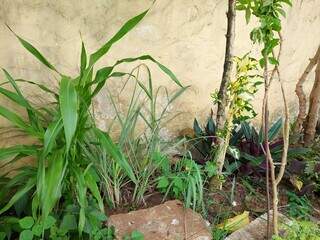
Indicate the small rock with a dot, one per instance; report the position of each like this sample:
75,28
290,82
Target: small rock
168,221
256,230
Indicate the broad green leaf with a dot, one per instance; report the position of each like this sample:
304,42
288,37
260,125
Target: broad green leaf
246,130
136,235
197,129
37,229
113,150
274,129
69,108
20,192
34,51
22,204
3,235
92,185
49,222
81,197
27,150
273,61
16,120
69,222
50,135
54,175
255,161
129,25
211,127
26,235
100,79
26,222
163,183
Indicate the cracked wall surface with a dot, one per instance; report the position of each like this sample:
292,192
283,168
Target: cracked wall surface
185,35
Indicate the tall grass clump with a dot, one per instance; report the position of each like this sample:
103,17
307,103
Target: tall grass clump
140,137
72,156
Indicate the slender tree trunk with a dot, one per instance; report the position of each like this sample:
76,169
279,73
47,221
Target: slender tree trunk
275,178
269,158
222,150
227,68
265,128
301,95
312,117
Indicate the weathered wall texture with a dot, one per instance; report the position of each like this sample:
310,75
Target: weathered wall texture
185,35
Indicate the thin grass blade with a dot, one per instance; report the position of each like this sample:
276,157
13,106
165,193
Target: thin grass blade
34,51
19,194
113,150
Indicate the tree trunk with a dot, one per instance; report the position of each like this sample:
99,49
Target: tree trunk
301,95
220,155
227,68
312,117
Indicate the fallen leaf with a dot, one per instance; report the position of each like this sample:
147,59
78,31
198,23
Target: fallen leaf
235,223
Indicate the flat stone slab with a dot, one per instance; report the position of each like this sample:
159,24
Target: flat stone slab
167,221
256,230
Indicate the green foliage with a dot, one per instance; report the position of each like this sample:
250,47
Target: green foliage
299,207
269,14
30,228
241,91
300,230
218,233
184,181
135,235
311,166
66,172
140,142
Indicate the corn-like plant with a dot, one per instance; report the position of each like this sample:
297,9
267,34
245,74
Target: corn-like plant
64,132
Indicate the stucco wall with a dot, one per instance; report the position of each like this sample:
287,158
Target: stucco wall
185,35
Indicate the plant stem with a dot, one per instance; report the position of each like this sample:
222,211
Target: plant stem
228,63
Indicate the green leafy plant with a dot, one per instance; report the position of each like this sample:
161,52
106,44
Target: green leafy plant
134,235
140,127
251,147
299,207
184,181
240,92
64,172
218,233
300,230
205,140
307,168
268,33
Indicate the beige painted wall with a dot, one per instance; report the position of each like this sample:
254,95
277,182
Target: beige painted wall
185,35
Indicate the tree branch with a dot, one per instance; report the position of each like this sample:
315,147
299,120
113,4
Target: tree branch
300,93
